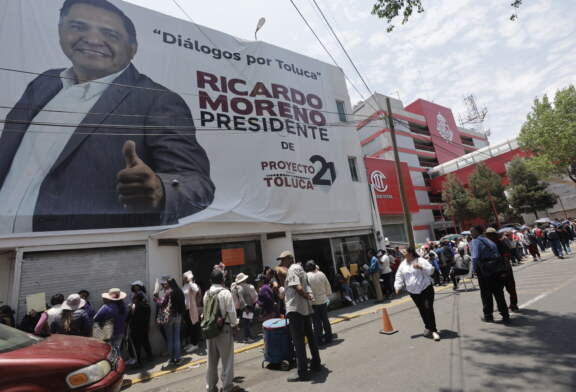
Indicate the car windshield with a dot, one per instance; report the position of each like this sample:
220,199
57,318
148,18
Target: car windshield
13,339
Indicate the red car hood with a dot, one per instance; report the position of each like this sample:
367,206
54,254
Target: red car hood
45,365
70,348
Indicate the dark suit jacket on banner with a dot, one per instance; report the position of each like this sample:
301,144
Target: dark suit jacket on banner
79,192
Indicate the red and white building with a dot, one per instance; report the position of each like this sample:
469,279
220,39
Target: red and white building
427,138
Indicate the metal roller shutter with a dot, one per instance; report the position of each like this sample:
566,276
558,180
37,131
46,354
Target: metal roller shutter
69,271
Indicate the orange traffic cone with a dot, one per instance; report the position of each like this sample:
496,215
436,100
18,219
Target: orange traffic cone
388,329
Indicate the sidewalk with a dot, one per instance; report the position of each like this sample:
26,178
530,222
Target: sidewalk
159,368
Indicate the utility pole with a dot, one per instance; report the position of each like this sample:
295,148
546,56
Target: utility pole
407,217
494,208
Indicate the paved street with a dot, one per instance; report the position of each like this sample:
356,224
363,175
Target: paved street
536,352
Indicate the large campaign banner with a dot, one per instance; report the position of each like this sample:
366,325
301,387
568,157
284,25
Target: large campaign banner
117,116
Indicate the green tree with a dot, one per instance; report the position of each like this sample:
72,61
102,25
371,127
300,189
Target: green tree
549,135
458,200
390,9
486,187
526,193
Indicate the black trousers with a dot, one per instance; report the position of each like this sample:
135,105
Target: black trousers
425,304
300,327
192,330
457,271
140,340
510,285
492,286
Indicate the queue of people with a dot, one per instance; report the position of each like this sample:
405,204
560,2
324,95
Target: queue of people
299,292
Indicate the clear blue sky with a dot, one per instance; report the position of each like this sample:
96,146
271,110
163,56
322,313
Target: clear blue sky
456,48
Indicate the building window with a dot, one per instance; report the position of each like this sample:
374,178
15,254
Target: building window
353,169
341,111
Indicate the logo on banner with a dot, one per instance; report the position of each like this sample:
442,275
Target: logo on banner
379,181
443,128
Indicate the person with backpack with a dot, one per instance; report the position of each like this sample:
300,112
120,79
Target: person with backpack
170,311
553,236
219,327
531,243
489,266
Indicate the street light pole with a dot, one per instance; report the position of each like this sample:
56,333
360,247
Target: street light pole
258,27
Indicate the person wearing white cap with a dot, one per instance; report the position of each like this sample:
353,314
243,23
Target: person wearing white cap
298,310
73,320
171,307
114,309
191,316
138,287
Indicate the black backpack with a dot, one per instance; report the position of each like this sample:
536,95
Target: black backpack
553,235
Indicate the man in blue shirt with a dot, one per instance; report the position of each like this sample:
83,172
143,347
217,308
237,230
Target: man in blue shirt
374,271
491,284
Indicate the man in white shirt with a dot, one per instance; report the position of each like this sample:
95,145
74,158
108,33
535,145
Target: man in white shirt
99,145
320,290
298,311
222,346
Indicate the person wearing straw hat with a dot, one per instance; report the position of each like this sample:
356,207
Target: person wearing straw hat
73,319
247,297
114,309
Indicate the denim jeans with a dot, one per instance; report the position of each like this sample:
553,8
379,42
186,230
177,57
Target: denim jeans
173,337
246,328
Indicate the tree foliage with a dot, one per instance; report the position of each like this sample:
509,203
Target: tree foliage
527,194
549,134
458,200
486,186
390,9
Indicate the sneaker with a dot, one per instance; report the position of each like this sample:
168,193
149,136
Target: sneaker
455,288
190,348
347,298
365,298
487,319
436,336
514,308
353,302
248,340
426,333
298,378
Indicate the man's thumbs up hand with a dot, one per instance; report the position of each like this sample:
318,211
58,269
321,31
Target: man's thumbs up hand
139,188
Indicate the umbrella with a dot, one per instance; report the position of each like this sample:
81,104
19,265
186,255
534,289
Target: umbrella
504,229
543,220
451,237
467,232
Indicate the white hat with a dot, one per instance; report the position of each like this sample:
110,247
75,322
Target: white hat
241,277
114,294
286,253
164,279
73,302
188,274
137,283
